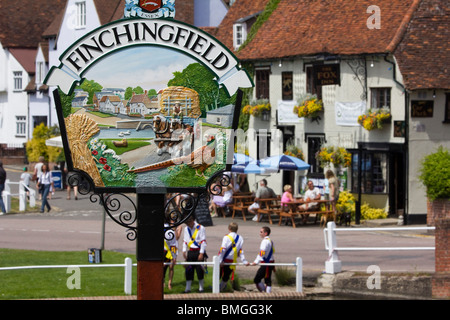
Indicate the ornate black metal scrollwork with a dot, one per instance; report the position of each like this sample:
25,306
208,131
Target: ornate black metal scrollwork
114,205
80,180
179,207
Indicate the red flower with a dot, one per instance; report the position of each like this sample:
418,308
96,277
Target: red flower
95,152
103,160
107,168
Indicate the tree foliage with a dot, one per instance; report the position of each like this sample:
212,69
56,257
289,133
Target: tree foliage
435,174
36,147
201,80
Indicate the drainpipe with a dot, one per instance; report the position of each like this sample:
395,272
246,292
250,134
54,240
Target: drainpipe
406,144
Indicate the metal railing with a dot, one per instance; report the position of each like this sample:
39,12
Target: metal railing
334,265
128,269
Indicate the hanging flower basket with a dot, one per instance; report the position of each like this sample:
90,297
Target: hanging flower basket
310,107
335,155
257,108
374,119
292,150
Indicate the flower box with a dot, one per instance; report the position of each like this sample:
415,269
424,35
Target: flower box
374,119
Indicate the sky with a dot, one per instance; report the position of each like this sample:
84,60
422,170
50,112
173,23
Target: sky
149,67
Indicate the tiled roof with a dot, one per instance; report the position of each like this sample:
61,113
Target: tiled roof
108,10
240,9
23,22
26,58
423,55
310,27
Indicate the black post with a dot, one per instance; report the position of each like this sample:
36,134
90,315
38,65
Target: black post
150,246
358,203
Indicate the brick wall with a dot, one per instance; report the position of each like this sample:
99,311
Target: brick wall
437,209
441,219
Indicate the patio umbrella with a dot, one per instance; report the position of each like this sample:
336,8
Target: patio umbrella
284,162
54,142
251,167
240,158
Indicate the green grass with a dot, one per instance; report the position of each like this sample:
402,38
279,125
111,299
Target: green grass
52,283
132,145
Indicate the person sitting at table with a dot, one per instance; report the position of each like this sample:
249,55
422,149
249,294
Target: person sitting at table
220,202
313,193
263,192
286,197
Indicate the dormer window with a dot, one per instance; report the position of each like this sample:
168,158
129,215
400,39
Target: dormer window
239,34
81,14
241,28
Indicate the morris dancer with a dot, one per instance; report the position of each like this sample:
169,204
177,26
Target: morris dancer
265,256
170,253
230,250
194,246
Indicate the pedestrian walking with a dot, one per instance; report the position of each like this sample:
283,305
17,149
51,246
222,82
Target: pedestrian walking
2,187
25,178
266,255
170,253
37,174
194,250
69,188
45,182
231,249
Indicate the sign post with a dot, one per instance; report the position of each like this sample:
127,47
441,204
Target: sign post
156,79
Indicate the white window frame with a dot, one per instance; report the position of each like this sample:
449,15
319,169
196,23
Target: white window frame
239,34
18,80
40,72
81,14
21,126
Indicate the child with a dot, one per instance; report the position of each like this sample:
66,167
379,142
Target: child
25,179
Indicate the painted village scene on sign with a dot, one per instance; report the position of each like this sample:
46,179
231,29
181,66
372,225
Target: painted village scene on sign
161,124
148,103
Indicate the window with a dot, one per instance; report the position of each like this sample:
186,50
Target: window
447,108
381,98
263,139
40,72
287,86
262,83
239,34
314,145
310,83
373,172
21,125
18,80
37,120
81,14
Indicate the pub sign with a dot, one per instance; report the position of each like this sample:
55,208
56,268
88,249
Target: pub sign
327,74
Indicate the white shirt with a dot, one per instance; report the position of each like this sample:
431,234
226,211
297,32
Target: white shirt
46,178
312,194
200,239
172,243
227,244
266,251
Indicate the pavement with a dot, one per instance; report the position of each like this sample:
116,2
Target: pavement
305,241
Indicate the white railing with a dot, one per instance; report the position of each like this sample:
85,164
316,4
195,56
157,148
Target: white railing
23,189
127,265
334,265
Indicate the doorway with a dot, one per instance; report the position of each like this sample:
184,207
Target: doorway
397,184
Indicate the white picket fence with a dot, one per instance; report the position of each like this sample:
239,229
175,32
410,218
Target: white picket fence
334,265
128,271
8,195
